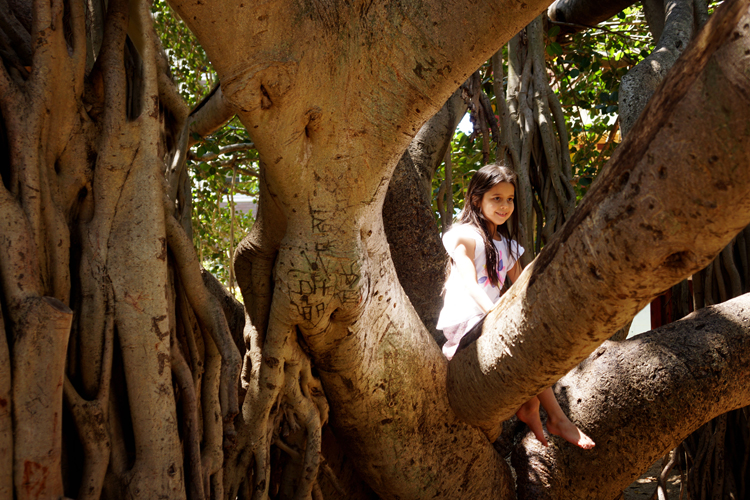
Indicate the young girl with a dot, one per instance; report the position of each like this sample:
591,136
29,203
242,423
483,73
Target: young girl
483,252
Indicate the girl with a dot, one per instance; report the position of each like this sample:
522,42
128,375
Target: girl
483,252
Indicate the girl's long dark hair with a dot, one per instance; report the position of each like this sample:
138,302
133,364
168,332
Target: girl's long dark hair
485,179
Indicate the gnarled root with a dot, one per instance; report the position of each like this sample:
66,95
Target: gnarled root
91,417
210,315
284,407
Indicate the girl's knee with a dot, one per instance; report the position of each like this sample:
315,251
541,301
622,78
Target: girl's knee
528,409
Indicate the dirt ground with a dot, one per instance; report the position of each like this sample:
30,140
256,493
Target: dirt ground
645,486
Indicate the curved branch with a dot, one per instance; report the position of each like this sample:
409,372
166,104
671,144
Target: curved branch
407,213
640,398
631,202
208,115
640,83
577,15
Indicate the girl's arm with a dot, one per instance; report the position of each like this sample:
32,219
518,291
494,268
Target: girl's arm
514,272
464,258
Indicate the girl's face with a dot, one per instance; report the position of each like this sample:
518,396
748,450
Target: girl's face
497,203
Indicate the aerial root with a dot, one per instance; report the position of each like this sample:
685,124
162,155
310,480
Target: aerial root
184,378
92,417
287,401
209,313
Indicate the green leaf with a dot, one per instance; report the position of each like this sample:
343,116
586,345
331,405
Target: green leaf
554,48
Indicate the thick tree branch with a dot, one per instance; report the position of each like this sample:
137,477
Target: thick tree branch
530,338
210,115
410,227
577,15
640,83
207,117
675,378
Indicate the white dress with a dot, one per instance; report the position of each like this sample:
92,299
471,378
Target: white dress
460,312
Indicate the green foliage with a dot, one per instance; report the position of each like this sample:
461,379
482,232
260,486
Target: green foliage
189,64
586,75
585,70
213,187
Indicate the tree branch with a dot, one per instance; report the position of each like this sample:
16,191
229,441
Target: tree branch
640,83
632,201
224,150
625,389
577,15
209,115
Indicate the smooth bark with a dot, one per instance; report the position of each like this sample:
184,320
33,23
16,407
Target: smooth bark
327,160
640,83
39,348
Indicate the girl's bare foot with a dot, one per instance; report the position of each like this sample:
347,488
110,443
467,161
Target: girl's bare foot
569,432
528,413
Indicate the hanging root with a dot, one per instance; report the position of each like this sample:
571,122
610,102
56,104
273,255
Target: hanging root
287,409
210,315
92,417
184,378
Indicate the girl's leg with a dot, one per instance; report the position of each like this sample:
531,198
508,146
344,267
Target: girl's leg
559,424
528,413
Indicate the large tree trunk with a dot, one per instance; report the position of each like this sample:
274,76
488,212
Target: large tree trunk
327,160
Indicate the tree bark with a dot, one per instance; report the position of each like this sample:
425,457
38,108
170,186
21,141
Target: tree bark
578,15
6,417
639,197
662,376
640,83
413,236
327,159
332,93
42,332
